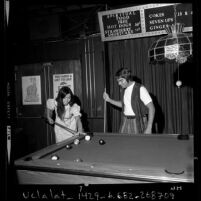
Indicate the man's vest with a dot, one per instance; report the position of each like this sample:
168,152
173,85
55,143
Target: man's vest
138,107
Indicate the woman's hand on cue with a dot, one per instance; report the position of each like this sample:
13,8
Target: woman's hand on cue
81,133
50,120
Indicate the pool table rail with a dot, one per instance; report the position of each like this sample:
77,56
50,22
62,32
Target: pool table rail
38,166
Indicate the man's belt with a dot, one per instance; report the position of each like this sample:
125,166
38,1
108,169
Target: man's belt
130,117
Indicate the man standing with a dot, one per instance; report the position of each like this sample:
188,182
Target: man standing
137,106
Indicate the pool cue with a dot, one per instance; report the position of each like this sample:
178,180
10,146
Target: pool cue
70,130
105,107
65,128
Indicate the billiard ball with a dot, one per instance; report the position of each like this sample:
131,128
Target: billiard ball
68,146
76,141
54,157
78,160
101,142
87,137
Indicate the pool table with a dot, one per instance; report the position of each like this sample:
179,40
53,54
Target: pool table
123,158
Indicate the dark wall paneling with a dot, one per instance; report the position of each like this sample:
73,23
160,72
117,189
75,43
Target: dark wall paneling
95,124
65,67
27,53
44,27
32,136
35,132
45,51
76,24
84,61
45,71
99,75
29,70
93,80
66,50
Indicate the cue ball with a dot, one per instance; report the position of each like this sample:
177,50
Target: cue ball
54,157
87,137
101,142
76,141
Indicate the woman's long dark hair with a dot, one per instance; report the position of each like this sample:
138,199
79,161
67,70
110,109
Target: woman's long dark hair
61,95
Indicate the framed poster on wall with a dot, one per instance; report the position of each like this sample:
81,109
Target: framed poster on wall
60,80
31,90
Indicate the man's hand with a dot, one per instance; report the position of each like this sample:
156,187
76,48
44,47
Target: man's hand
106,97
148,131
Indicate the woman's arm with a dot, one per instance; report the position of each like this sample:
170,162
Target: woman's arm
50,107
49,116
79,124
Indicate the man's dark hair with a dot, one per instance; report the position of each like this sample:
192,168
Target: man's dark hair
124,73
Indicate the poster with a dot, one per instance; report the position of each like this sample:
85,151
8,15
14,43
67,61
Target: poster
60,80
31,90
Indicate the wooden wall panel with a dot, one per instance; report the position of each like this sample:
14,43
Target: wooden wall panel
65,67
32,137
93,81
34,132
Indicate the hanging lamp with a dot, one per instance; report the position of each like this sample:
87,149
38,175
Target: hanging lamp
176,46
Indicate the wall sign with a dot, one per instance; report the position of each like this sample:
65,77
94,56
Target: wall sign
142,21
31,90
60,80
122,23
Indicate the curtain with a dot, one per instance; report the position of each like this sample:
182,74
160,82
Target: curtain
174,106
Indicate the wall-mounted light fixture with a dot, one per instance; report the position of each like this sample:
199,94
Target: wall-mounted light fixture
176,46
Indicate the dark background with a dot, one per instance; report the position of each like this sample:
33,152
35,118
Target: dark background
40,32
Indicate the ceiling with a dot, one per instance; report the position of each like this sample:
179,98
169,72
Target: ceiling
74,19
55,7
